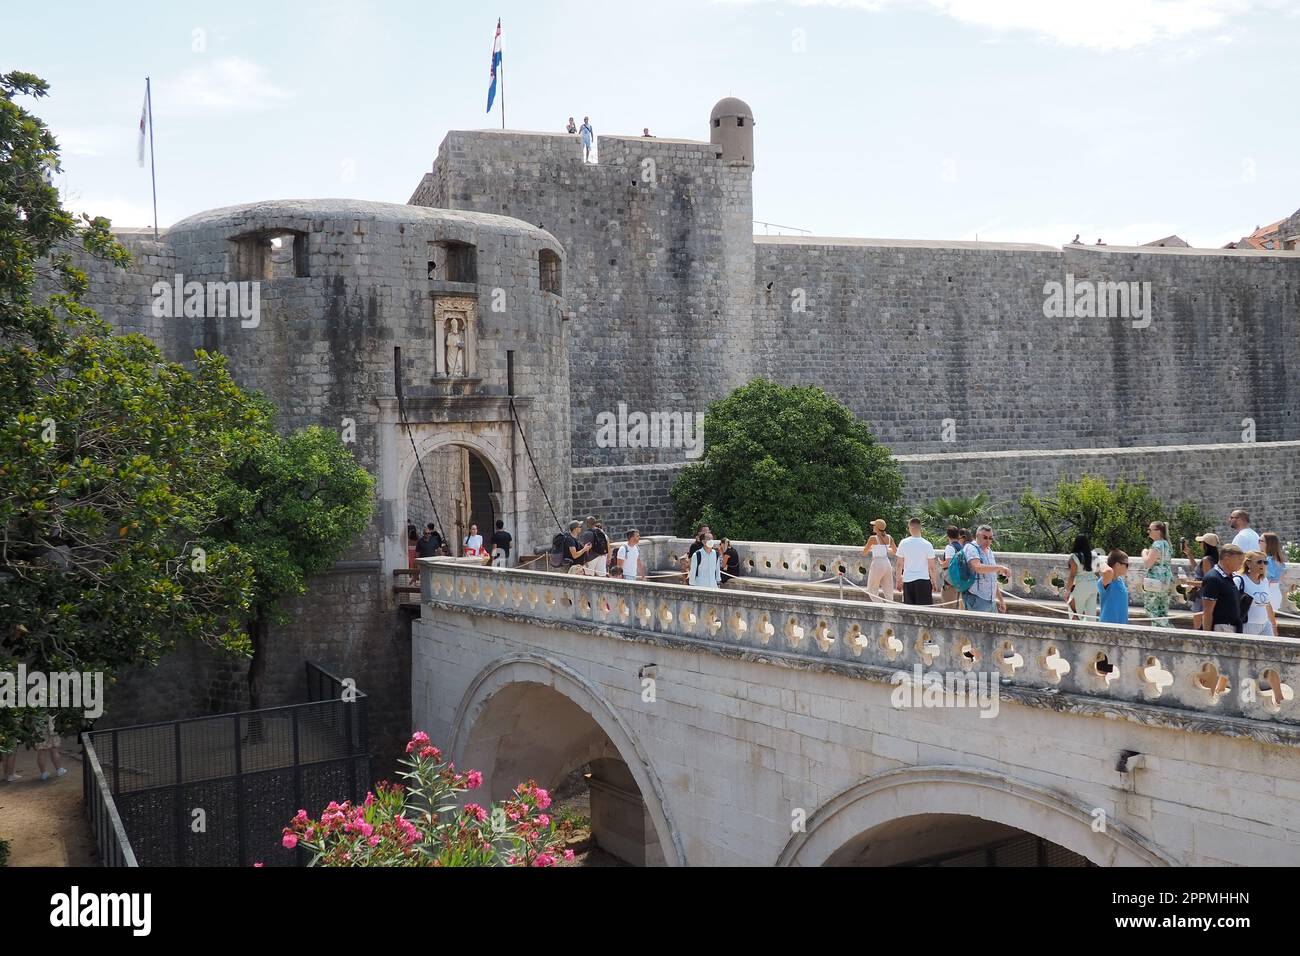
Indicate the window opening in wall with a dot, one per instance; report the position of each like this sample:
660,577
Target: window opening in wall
453,261
548,263
270,254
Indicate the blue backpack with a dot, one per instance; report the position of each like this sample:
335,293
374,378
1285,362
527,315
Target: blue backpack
960,576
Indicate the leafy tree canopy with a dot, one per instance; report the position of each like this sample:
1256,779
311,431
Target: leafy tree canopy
787,464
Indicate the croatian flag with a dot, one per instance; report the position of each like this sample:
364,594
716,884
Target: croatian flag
496,62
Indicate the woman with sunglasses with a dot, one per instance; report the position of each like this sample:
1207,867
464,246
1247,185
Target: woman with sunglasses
1260,620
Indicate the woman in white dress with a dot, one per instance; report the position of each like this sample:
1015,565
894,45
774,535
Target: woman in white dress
881,547
473,541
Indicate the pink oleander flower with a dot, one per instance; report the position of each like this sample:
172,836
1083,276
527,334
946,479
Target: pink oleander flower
568,854
543,798
290,841
474,780
475,811
374,840
258,864
544,859
300,816
543,820
512,859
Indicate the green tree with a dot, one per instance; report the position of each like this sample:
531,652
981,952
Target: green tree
109,456
1113,517
787,464
293,504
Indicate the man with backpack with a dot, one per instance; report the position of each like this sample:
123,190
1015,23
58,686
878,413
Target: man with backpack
974,572
597,543
567,553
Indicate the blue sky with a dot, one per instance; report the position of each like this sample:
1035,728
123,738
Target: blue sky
1024,120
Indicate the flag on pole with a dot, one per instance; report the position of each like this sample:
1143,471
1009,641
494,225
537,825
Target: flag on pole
496,62
144,113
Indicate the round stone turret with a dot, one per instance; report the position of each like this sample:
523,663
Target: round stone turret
731,126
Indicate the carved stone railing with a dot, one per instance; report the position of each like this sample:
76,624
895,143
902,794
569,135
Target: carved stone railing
1218,682
817,562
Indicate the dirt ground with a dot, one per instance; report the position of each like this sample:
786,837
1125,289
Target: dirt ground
44,822
573,798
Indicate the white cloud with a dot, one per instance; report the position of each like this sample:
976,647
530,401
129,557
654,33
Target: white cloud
1094,24
229,83
123,213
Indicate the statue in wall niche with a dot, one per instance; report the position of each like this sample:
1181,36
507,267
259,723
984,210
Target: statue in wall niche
455,347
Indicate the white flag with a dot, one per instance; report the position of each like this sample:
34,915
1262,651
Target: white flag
144,112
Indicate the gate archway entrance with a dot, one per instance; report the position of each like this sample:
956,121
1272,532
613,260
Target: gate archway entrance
466,492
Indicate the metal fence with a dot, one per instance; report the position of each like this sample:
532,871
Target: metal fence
218,791
110,837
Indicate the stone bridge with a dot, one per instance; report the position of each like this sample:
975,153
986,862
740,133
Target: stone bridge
744,727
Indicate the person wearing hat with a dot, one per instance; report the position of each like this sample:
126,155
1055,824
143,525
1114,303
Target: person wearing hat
881,547
1209,543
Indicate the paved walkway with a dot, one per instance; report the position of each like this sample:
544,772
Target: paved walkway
45,822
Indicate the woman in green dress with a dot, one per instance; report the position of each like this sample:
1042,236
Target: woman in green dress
1158,582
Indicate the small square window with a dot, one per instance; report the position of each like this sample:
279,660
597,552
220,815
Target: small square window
740,121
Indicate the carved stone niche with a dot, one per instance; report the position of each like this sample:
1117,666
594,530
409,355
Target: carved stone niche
455,336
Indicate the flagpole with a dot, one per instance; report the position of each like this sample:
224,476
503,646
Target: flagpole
153,177
502,71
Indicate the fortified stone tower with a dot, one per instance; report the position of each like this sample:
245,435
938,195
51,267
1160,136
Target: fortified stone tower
659,278
731,126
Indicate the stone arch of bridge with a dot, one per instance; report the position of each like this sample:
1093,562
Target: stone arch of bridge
528,716
847,821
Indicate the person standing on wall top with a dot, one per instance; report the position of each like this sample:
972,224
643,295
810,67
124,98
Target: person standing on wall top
916,570
1158,582
572,127
881,547
1247,538
501,542
588,136
1112,588
986,593
1221,594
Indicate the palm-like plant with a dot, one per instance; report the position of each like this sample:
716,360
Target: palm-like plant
964,512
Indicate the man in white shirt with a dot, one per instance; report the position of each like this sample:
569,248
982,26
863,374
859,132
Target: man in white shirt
916,566
629,557
1247,537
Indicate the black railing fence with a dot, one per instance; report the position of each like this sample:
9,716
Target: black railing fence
218,791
